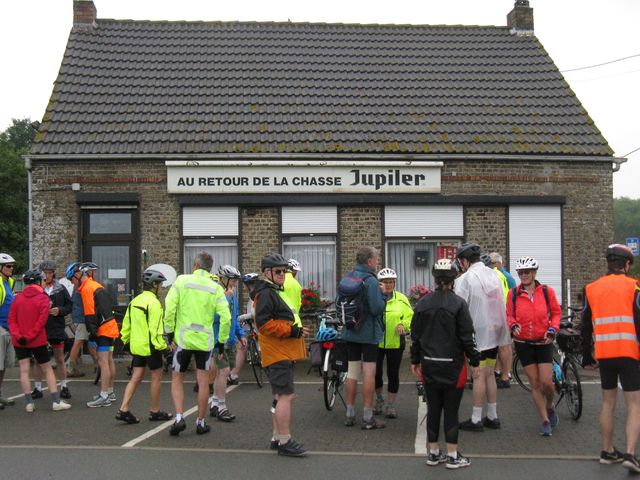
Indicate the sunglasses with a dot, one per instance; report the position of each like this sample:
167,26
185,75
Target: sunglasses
278,271
8,266
525,272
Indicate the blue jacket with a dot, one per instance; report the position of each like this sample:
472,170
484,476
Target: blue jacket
236,331
511,282
372,330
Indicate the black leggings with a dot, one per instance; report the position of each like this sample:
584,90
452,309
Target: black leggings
394,357
438,399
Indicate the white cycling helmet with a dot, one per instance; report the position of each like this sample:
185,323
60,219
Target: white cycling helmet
228,271
387,274
526,263
294,265
6,258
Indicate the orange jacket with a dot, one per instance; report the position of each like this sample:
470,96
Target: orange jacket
610,302
97,310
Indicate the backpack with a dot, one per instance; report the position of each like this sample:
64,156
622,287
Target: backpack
350,301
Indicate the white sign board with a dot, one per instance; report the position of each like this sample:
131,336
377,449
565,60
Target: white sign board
303,177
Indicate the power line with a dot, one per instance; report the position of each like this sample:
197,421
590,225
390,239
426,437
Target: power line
632,151
601,64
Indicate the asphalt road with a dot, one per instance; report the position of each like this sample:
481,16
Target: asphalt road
90,443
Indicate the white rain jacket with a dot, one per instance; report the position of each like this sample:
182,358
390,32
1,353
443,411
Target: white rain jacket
481,288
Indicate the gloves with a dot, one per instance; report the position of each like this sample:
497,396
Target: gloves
551,333
219,348
22,341
588,360
513,328
296,332
169,337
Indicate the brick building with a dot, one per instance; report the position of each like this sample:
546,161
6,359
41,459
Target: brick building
165,138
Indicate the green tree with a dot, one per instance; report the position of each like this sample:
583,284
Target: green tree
626,223
14,142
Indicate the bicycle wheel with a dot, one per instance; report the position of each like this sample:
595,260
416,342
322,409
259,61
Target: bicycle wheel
517,371
572,389
255,360
330,390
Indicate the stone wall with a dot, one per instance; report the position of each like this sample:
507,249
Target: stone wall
587,213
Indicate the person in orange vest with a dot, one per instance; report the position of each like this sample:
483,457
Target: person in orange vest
611,325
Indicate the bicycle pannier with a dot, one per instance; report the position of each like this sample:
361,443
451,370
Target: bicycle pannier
315,351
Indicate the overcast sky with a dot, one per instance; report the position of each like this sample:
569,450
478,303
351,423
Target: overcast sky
576,33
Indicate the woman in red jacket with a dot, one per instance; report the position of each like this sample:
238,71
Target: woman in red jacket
27,320
533,314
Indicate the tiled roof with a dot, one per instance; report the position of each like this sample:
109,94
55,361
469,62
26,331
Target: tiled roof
142,87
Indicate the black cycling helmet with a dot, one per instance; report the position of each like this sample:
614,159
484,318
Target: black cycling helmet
468,250
149,277
47,265
249,278
273,260
35,275
617,250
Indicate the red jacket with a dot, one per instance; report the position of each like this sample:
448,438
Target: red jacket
28,317
533,316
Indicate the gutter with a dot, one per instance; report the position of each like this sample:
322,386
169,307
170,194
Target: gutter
27,166
283,157
618,163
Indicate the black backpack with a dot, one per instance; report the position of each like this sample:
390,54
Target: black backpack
350,301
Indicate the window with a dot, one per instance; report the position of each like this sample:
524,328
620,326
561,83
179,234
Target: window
317,257
309,236
213,230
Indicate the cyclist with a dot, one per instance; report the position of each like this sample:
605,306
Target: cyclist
142,330
249,281
27,321
102,328
191,305
281,338
229,276
612,315
480,287
7,353
533,314
441,334
60,307
398,315
292,287
81,335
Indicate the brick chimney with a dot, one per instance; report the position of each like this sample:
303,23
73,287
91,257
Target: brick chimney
84,15
520,19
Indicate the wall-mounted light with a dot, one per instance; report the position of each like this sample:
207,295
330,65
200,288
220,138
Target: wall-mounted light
75,187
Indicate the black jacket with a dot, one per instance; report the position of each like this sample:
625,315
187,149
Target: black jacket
59,297
441,334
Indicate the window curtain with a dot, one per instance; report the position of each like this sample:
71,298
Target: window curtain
317,257
401,258
224,252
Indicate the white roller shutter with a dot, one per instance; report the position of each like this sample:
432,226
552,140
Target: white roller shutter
210,221
309,220
423,221
535,231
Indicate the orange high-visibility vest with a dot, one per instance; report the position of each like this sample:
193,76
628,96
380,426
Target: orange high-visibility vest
611,301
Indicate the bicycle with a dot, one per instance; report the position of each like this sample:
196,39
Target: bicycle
254,357
334,364
566,378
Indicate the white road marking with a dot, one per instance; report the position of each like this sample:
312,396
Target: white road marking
165,425
421,430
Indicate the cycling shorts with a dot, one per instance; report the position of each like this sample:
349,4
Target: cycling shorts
153,361
182,359
281,377
105,344
627,370
488,357
530,353
41,354
56,343
367,352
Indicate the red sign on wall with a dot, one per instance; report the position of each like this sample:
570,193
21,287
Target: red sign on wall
446,251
